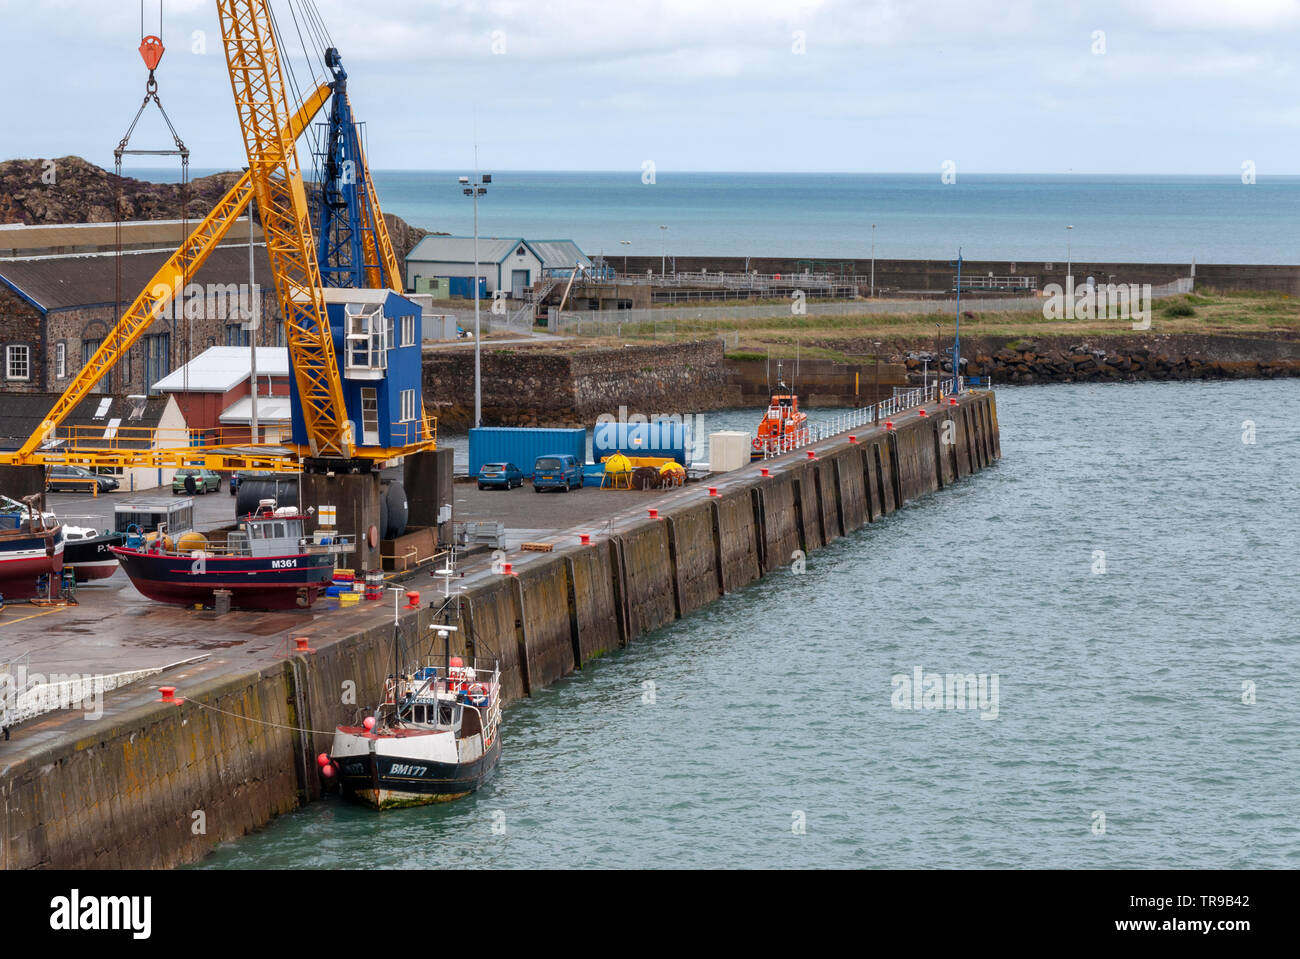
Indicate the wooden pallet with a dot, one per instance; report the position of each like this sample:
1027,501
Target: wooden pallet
537,547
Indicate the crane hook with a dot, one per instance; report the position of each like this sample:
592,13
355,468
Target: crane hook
151,51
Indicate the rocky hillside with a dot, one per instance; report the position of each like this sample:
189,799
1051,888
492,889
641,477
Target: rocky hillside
83,193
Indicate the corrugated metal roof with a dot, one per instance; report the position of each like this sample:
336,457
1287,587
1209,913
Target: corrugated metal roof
460,249
22,413
559,254
270,409
221,368
25,237
69,282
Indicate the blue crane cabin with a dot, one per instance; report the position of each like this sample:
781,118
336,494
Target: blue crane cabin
377,344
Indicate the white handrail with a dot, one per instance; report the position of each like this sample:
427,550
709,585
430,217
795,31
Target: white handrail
864,416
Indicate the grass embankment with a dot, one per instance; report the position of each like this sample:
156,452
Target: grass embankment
1205,313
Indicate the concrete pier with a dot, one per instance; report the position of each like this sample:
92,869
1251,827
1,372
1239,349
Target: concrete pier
154,784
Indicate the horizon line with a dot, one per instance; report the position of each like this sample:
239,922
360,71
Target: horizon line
636,172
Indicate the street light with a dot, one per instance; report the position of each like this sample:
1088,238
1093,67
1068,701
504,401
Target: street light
876,387
873,261
663,251
475,190
625,244
1069,264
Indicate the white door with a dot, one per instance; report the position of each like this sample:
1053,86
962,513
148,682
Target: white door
518,283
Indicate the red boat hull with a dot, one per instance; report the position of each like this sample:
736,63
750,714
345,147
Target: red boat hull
18,576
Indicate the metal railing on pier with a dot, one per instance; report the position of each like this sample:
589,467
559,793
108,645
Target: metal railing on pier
866,416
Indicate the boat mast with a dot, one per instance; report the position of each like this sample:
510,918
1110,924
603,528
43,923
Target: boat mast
397,653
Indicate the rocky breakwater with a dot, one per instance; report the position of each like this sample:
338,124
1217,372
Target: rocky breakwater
1120,359
73,190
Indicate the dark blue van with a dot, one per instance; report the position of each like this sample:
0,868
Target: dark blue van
557,471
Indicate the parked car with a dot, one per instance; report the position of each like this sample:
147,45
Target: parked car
557,471
505,475
75,479
205,481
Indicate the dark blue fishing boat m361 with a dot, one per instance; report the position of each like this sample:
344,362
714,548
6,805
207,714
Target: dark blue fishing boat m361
266,562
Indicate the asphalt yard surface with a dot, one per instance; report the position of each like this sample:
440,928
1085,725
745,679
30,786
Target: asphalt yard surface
113,628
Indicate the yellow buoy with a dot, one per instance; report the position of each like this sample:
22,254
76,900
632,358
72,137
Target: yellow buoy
190,542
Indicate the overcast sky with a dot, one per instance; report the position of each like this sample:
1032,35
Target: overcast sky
1169,86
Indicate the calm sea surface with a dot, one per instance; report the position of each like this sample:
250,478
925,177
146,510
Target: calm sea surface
1120,694
1171,219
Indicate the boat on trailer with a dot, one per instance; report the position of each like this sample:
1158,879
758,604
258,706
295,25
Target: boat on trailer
435,738
266,562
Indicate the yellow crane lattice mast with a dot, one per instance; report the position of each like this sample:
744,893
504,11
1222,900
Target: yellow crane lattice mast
257,81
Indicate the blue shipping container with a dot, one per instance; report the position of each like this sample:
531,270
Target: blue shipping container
522,446
662,438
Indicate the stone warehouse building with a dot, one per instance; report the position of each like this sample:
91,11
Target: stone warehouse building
60,296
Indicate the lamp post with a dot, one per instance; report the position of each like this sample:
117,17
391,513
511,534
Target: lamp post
625,244
876,386
873,261
253,427
663,250
475,190
1069,263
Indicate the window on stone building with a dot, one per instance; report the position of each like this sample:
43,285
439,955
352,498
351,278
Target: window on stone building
88,349
236,335
18,362
60,360
157,359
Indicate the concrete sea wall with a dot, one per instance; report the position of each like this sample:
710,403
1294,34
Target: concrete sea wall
160,784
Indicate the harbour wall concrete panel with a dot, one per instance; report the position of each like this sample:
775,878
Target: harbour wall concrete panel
693,543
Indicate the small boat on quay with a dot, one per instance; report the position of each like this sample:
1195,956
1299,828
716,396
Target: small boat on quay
31,550
783,427
85,551
265,562
89,552
435,738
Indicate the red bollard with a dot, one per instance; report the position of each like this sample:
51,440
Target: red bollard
952,402
654,514
853,439
922,412
889,425
412,599
812,454
301,643
585,539
508,569
169,695
764,472
713,491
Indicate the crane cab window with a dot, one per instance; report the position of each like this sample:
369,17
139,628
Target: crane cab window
367,340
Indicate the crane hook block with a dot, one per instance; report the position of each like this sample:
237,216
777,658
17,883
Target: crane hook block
151,51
